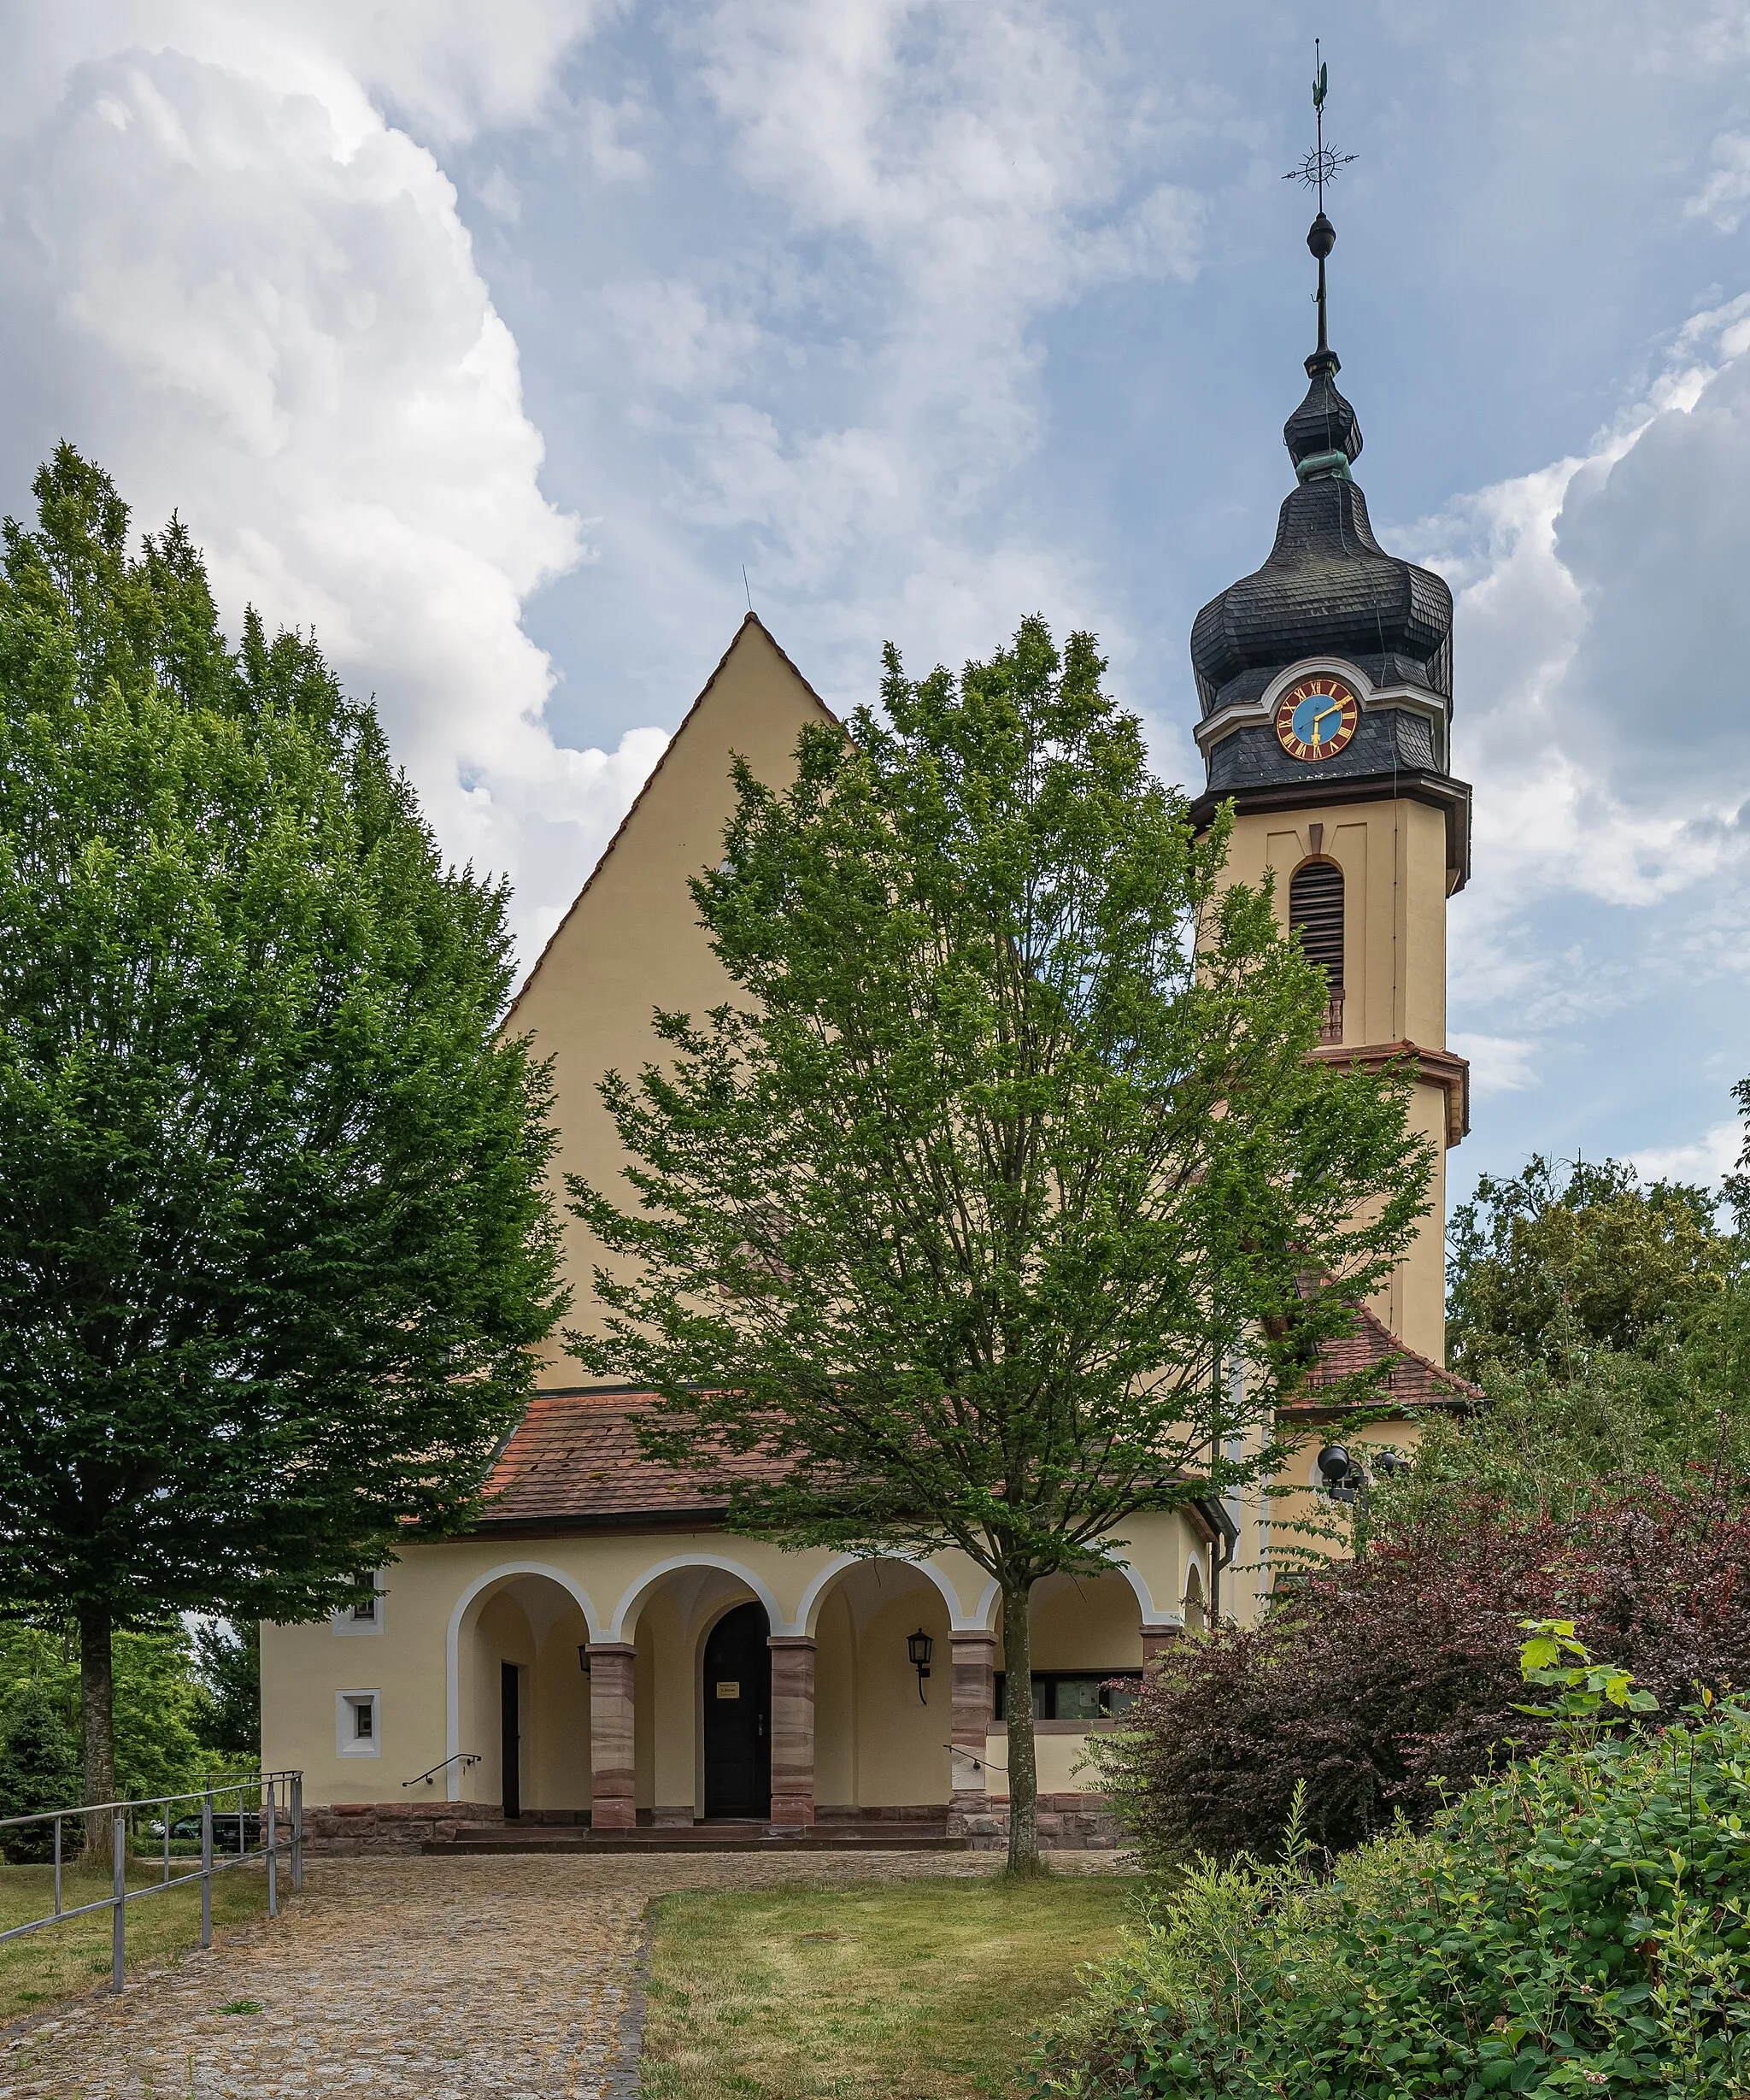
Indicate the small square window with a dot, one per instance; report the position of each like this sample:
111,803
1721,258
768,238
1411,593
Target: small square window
358,1724
364,1614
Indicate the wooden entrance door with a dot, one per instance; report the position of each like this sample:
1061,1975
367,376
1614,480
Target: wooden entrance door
738,1716
510,1738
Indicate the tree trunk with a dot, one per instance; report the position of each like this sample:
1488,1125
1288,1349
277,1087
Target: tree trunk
97,1688
1017,1711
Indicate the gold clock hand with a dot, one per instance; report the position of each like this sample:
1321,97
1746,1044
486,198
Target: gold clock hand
1336,707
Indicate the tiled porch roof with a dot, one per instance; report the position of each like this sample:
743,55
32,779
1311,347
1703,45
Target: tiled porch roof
575,1459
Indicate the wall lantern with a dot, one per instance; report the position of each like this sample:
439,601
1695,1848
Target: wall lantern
583,1657
1342,1477
919,1647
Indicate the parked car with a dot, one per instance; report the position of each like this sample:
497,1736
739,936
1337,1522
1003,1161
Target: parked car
227,1835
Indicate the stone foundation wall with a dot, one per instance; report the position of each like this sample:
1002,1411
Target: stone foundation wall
930,1812
347,1828
1067,1823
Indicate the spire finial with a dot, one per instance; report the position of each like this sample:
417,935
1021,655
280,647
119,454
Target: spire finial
1322,165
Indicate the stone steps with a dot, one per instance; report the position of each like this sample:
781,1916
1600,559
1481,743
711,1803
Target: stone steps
703,1837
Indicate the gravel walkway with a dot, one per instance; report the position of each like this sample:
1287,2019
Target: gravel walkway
446,1979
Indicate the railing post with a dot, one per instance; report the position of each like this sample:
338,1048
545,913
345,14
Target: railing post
164,1810
297,1831
268,1790
57,1866
206,1869
118,1934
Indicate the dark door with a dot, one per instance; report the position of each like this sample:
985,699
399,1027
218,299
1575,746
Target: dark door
510,1739
738,1716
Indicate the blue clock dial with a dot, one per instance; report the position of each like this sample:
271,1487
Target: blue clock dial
1316,717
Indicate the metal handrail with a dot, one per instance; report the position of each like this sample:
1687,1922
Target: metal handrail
465,1757
274,1787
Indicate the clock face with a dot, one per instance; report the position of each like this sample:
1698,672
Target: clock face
1316,717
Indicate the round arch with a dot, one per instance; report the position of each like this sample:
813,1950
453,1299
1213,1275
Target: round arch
978,1621
632,1602
504,1572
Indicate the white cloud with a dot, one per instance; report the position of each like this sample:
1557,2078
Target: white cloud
451,66
239,286
1599,611
1712,1155
1500,1064
862,368
1724,197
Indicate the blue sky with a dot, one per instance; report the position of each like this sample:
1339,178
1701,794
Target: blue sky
494,342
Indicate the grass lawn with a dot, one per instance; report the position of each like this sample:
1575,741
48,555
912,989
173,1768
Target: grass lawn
67,1960
921,1990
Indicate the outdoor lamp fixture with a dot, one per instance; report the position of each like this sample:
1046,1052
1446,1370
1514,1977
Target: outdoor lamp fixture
919,1647
583,1657
1342,1477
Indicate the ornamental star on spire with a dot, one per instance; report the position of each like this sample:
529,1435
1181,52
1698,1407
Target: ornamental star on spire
1322,165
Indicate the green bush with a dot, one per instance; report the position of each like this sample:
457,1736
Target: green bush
1582,1925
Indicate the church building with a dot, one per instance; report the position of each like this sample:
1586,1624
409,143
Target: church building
598,1662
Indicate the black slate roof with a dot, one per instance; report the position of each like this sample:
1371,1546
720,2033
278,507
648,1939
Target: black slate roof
1327,588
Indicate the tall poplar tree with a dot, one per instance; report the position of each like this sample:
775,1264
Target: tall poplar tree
273,1238
1009,1142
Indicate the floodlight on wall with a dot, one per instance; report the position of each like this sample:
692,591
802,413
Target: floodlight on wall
1343,1479
919,1647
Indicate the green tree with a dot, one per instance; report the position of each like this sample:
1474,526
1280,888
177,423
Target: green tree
40,1767
1544,1270
229,1659
273,1235
1010,1145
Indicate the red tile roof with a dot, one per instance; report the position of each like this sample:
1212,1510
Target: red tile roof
574,1458
1406,1378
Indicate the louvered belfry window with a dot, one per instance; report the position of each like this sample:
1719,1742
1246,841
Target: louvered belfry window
1316,907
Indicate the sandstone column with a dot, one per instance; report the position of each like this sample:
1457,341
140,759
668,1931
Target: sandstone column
973,1659
613,1789
792,1731
1157,1639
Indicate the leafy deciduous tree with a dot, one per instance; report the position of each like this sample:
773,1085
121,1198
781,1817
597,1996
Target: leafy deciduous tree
1012,1141
1542,1270
274,1237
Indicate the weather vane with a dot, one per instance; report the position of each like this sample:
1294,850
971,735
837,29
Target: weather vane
1322,165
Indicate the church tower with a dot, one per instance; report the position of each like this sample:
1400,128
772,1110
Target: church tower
1324,680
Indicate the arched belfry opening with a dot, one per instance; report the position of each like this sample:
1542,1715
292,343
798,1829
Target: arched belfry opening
1316,911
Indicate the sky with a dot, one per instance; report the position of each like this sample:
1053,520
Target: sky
498,344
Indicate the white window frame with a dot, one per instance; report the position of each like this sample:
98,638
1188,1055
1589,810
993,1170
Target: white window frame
347,1743
343,1622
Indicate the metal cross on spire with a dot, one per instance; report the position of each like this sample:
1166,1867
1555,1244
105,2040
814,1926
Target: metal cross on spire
1322,165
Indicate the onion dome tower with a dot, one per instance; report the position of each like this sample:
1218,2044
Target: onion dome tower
1324,680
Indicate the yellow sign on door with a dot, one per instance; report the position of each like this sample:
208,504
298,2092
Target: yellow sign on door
729,1688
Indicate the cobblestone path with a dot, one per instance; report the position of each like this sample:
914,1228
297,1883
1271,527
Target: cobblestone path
444,1979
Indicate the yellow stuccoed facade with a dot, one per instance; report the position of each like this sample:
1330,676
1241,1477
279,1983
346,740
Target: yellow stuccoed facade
1393,855
558,1662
